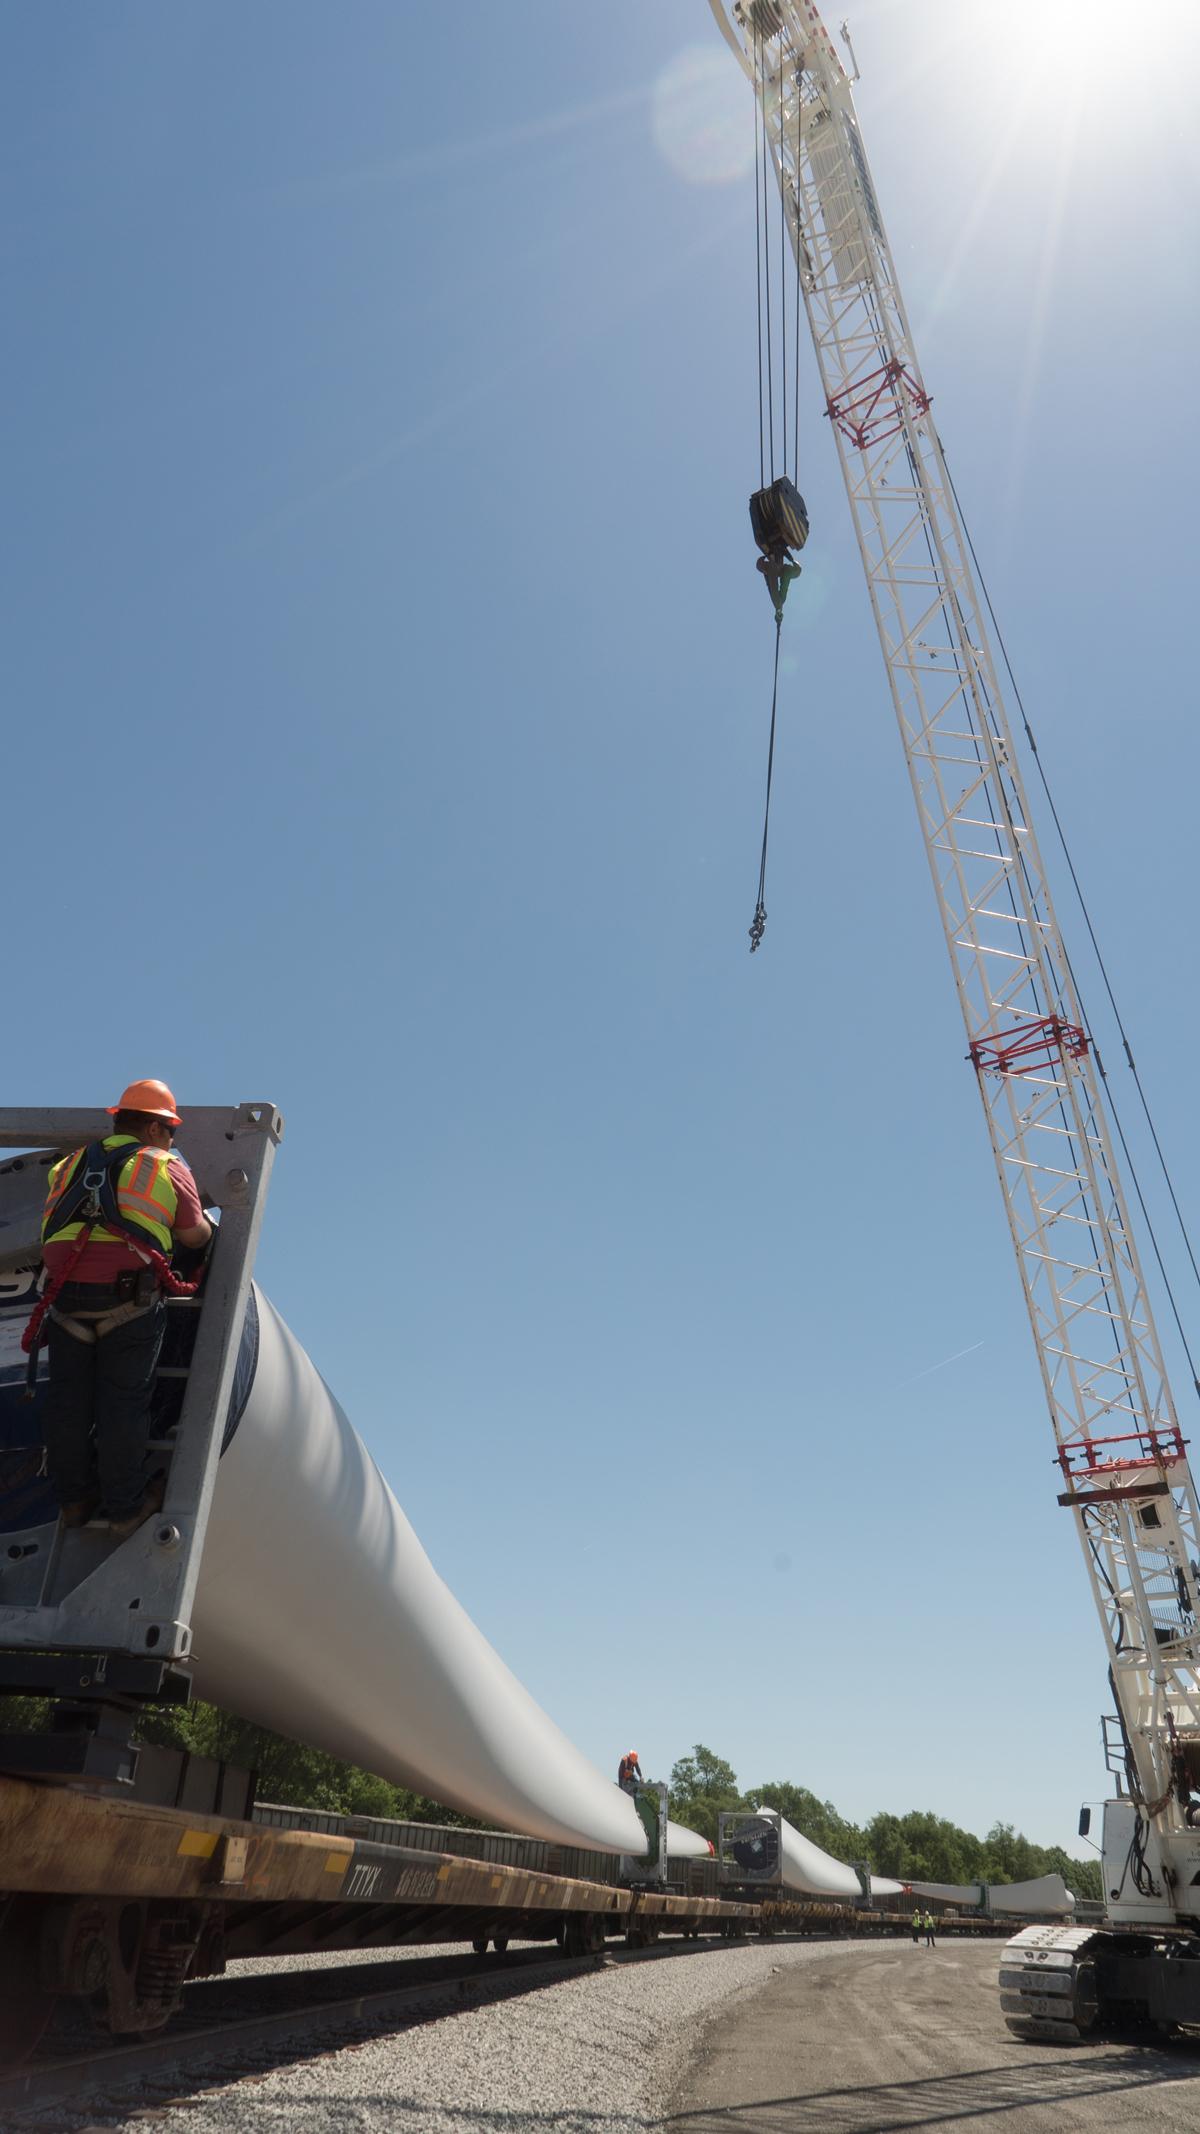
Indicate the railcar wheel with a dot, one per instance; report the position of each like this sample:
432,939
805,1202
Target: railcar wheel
583,1934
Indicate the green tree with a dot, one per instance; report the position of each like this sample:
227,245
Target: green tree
1084,1877
1008,1856
921,1847
925,1848
288,1771
703,1786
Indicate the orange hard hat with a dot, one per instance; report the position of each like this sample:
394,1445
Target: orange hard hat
153,1098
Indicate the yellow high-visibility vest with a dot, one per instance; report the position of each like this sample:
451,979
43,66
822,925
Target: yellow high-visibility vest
145,1196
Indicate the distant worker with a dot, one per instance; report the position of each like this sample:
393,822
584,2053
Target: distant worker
929,1924
629,1773
916,1925
114,1211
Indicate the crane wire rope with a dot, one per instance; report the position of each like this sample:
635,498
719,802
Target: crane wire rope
1103,969
758,247
999,807
758,925
766,241
1093,1214
1092,1121
763,249
799,154
1075,882
783,362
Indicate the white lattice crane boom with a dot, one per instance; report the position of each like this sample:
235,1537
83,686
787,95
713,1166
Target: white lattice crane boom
1125,1475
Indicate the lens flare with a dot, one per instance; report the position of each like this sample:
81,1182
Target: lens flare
704,117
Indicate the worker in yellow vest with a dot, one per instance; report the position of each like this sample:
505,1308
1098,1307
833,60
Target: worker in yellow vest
114,1211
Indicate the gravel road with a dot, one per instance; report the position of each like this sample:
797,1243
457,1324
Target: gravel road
598,2054
766,2038
902,2037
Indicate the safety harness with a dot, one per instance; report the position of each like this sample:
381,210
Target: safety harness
92,1196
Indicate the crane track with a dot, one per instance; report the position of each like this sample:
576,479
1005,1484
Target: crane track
218,2053
1047,1985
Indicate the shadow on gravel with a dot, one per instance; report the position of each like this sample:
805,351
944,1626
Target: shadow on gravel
878,2108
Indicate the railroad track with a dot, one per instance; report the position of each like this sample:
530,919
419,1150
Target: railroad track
217,2041
209,2047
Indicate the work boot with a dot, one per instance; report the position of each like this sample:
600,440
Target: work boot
121,1529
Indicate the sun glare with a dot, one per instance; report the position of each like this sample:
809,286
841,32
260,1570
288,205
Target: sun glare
1095,38
703,117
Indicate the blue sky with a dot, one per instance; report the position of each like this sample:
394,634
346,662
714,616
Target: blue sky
389,679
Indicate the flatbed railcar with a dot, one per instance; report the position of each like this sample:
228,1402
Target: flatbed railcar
119,1902
781,1911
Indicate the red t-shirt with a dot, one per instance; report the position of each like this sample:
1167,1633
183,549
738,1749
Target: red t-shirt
104,1261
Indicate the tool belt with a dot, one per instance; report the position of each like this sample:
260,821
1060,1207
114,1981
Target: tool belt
90,1310
93,1326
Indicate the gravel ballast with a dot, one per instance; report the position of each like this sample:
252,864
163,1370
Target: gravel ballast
597,2054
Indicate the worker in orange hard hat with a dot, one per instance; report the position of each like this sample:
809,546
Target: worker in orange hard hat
629,1772
114,1212
150,1100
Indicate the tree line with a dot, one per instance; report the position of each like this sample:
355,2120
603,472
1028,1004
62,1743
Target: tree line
288,1772
919,1846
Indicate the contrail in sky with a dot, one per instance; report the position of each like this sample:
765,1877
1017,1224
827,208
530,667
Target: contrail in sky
956,1358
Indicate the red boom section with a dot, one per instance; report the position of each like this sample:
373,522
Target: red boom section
869,410
1035,1044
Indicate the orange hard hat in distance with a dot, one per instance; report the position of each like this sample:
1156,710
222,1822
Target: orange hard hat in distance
153,1098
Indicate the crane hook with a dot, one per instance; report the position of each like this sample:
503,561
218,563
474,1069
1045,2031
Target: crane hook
778,572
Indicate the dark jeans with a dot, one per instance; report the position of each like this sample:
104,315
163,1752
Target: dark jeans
97,1415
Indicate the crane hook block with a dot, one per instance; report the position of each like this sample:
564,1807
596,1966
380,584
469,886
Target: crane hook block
780,522
779,517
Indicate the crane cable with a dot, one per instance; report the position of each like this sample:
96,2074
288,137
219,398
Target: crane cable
1103,969
957,631
759,922
1092,1220
776,540
758,252
763,214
